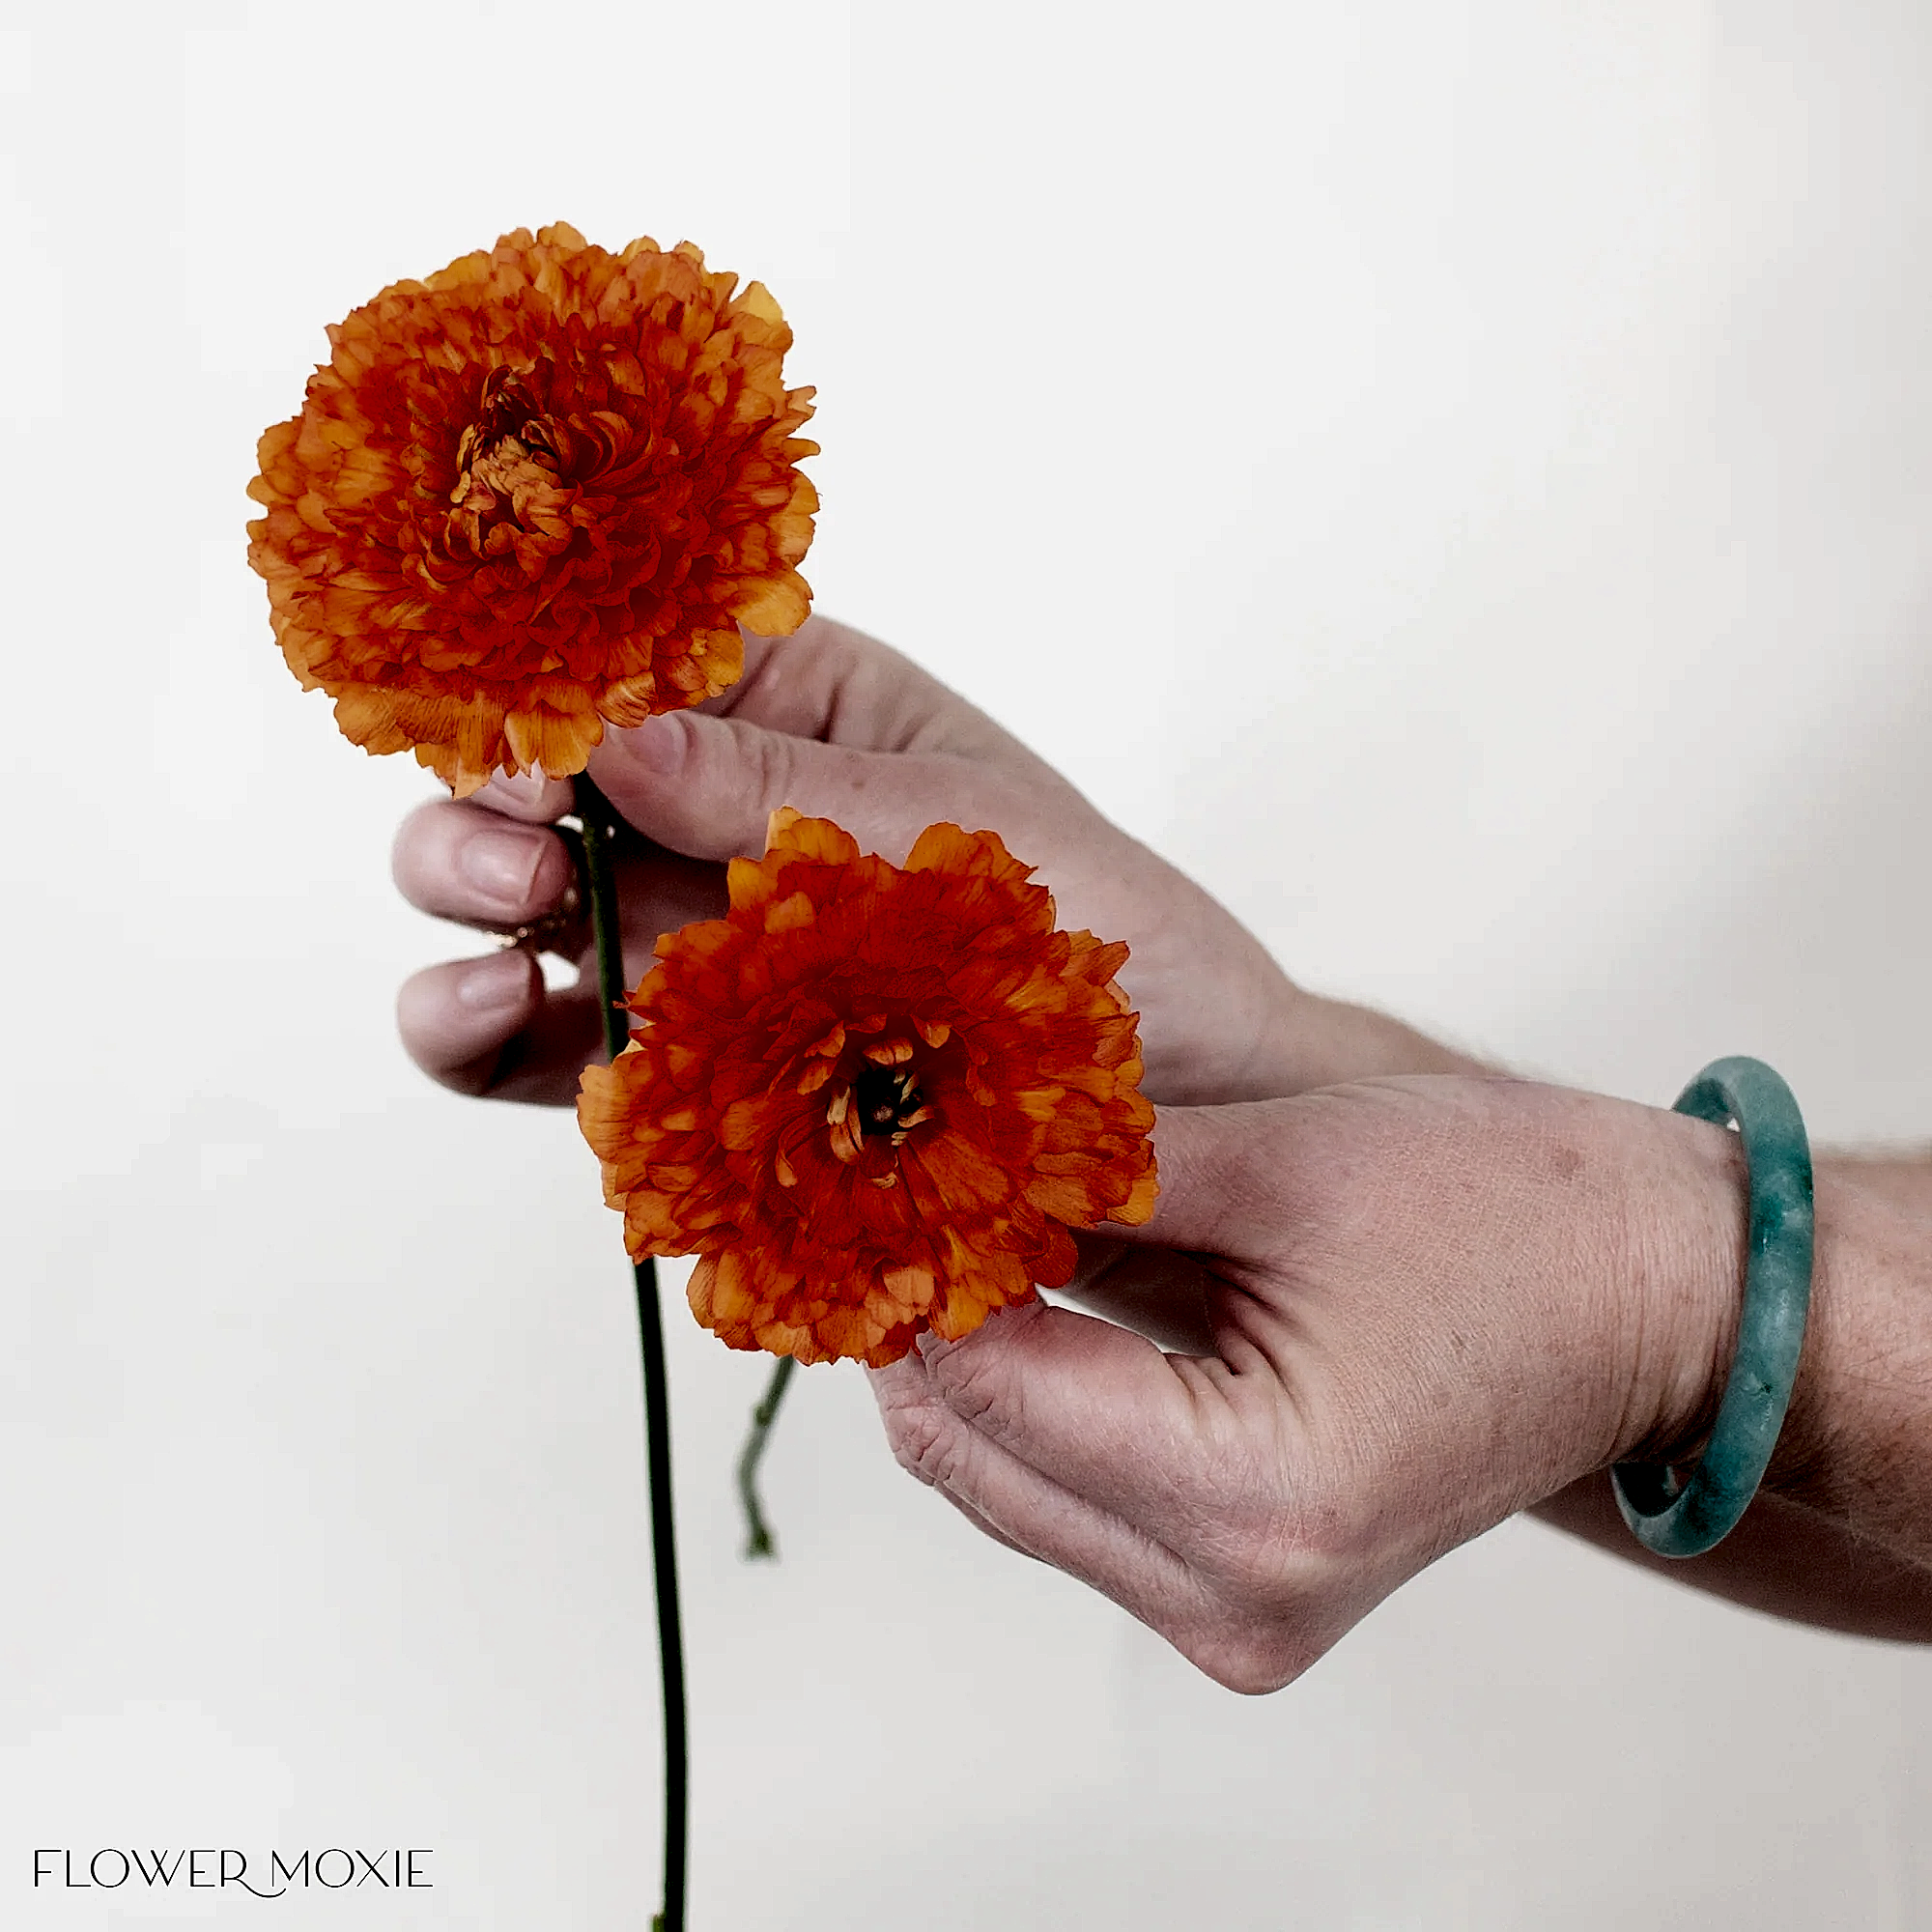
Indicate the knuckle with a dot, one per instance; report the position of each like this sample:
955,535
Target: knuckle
774,767
1266,1596
1270,1561
968,1391
923,1435
805,678
925,1444
1249,1659
977,1379
835,656
1271,1554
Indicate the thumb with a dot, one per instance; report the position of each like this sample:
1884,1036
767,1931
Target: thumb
704,786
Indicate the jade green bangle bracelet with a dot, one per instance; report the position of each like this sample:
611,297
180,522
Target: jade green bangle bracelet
1685,1518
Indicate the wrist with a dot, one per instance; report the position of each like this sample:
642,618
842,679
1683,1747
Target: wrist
1685,1213
1856,1439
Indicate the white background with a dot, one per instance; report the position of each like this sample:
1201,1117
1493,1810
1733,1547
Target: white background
1457,479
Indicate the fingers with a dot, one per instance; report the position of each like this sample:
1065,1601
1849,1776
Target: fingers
823,722
1168,1482
705,786
474,863
1076,1400
1008,1443
455,1019
463,862
979,1521
528,796
818,722
1019,1506
487,1026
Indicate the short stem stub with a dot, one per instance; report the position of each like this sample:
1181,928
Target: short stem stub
758,1533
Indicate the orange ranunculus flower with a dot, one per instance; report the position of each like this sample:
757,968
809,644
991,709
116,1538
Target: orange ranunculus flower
533,494
873,1099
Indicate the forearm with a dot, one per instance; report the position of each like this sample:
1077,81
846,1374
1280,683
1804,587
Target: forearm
1783,1559
1904,1179
1856,1447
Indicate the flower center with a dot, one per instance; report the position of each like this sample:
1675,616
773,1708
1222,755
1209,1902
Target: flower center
508,464
885,1098
877,1105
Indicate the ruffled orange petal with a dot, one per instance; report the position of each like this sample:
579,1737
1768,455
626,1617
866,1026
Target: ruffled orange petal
872,1099
532,495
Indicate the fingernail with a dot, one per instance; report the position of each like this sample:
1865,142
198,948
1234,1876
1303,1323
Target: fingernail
501,866
496,983
658,744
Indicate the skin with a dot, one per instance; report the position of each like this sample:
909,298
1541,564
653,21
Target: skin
1409,1296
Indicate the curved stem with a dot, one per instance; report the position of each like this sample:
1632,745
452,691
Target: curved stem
758,1533
600,830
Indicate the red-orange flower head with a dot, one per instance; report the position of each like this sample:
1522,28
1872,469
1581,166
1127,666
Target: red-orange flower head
872,1100
532,495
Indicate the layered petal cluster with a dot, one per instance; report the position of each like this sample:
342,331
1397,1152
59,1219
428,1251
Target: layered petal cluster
534,495
872,1099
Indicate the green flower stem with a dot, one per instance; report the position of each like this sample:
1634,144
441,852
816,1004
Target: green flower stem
600,832
758,1533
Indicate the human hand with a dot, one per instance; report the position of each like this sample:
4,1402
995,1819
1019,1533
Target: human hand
1413,1307
839,726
